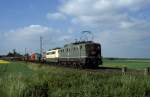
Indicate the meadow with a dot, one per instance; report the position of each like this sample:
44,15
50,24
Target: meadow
137,64
20,79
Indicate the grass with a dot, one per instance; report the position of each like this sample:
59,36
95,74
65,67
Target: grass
131,64
35,80
15,68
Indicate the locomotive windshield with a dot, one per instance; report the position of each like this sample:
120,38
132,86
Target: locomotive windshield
94,50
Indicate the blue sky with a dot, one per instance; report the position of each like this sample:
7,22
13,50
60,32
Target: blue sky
121,26
17,13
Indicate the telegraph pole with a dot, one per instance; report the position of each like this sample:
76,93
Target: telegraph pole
26,56
25,51
41,46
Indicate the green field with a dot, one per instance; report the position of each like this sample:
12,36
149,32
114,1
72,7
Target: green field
131,64
19,79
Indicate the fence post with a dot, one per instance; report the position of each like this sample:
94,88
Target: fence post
124,70
146,70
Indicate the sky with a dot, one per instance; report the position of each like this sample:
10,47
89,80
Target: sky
122,27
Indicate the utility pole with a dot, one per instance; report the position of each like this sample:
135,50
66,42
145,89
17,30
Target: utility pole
26,56
41,46
25,51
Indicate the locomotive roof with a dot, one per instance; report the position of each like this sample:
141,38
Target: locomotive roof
83,42
79,42
54,48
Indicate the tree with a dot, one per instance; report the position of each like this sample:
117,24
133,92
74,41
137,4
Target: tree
13,54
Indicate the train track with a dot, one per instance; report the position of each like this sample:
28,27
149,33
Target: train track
105,70
101,69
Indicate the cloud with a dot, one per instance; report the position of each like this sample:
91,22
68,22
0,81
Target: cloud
121,26
27,33
29,37
56,16
102,12
25,37
118,24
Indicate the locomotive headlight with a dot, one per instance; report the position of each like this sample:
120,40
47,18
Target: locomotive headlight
93,52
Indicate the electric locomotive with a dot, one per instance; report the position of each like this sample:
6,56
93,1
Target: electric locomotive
52,56
84,54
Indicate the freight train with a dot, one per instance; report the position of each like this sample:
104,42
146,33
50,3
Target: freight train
84,54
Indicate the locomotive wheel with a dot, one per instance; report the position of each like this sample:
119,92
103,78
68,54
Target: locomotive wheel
80,65
75,65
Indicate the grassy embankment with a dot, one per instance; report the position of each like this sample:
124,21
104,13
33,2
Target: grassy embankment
33,80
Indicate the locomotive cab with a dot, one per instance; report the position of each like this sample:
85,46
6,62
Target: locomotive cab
52,56
93,54
93,50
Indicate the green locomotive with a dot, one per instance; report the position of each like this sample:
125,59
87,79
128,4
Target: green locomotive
85,54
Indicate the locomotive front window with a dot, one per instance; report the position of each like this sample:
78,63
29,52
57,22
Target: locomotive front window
50,53
93,50
53,53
